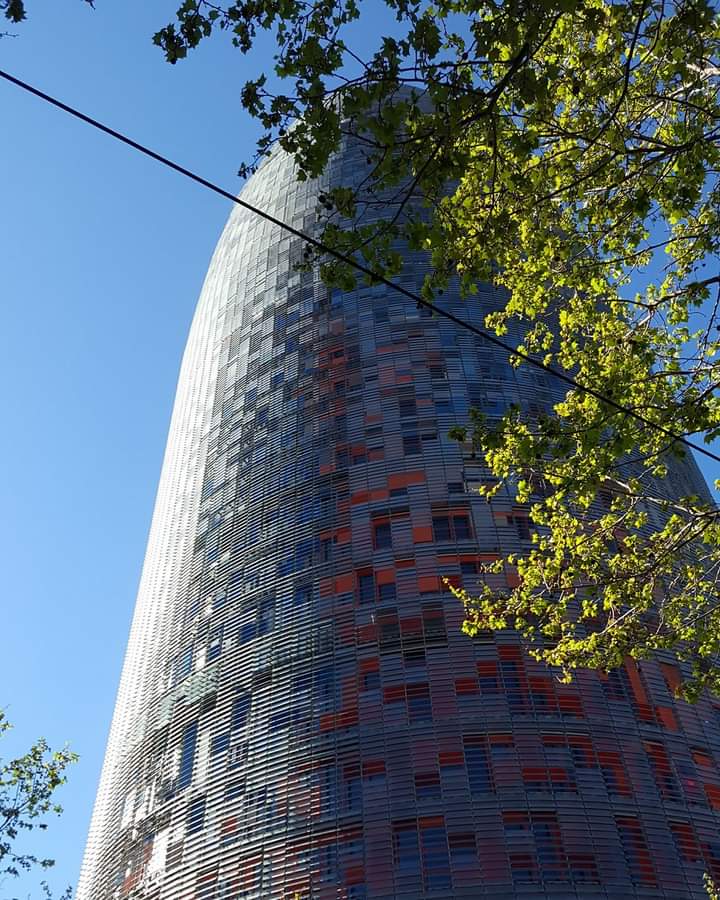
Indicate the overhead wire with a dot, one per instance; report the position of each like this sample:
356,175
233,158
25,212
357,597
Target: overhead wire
354,263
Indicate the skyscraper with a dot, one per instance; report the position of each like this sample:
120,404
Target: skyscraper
299,714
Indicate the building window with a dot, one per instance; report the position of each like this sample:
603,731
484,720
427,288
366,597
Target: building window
215,643
463,848
187,755
614,774
418,701
662,771
353,787
196,815
240,711
433,621
411,444
427,786
382,535
435,856
477,764
366,588
406,852
636,852
686,842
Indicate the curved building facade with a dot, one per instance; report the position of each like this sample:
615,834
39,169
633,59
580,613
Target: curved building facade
299,714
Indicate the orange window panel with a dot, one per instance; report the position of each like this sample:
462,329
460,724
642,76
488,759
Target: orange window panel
428,584
345,583
672,676
713,795
667,717
405,479
464,686
385,576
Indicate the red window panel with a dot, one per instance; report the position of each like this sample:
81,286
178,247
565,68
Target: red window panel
354,876
637,854
465,686
570,704
429,584
614,774
523,868
642,704
369,675
394,694
542,694
385,576
711,855
373,769
405,479
433,617
703,758
672,676
516,821
512,579
411,629
583,868
345,583
422,534
488,677
552,779
535,778
582,751
389,629
367,634
427,785
686,841
463,848
451,760
713,795
662,770
551,858
666,717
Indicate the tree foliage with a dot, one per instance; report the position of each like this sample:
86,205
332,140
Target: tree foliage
580,142
566,150
27,787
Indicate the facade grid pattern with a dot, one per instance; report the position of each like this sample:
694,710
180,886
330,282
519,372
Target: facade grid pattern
299,713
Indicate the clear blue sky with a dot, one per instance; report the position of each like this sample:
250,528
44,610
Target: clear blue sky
102,258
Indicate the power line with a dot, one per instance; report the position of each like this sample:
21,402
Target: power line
349,260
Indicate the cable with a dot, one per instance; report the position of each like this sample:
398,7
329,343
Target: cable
480,332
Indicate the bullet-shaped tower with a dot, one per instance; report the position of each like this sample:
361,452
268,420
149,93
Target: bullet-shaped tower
299,714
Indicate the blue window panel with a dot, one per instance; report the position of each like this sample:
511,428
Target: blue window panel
196,815
187,755
220,743
240,712
215,643
478,766
248,632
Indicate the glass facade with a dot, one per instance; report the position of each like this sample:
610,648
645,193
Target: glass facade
299,714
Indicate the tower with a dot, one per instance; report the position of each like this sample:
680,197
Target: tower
299,714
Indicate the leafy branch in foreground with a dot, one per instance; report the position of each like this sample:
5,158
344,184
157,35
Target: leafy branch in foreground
580,141
27,787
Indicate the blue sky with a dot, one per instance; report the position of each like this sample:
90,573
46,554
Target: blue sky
102,257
